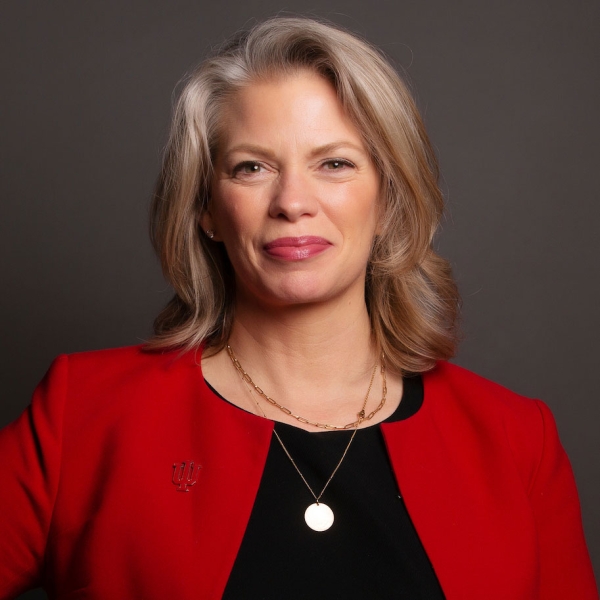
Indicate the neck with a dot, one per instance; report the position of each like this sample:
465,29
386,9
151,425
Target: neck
315,360
310,339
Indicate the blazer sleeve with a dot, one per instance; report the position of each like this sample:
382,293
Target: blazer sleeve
565,566
30,456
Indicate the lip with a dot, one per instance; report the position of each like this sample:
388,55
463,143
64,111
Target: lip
296,248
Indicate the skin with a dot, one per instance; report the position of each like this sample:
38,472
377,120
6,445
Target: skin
291,164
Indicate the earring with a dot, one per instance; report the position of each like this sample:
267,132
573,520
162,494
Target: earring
210,233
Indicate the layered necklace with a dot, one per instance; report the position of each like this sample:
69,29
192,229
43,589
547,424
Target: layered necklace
318,516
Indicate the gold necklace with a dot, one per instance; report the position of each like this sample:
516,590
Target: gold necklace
361,415
318,516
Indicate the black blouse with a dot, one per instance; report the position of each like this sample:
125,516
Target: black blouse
372,549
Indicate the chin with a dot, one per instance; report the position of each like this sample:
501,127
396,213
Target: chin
300,297
285,293
311,295
305,289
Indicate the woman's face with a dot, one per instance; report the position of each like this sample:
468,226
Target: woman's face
295,194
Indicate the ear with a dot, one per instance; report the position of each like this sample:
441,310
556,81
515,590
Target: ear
379,225
205,220
206,223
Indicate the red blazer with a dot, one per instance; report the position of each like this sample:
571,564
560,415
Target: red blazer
92,506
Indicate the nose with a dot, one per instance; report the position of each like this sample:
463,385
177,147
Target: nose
294,197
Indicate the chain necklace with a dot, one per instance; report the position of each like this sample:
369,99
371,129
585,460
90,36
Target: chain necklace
318,516
361,415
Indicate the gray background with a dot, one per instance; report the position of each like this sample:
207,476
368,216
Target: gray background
510,93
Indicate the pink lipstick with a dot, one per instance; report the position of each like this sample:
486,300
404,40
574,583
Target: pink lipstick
296,248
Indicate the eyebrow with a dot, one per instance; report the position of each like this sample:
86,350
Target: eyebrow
250,149
333,146
318,151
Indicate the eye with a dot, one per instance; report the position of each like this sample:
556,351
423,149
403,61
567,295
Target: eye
337,164
247,169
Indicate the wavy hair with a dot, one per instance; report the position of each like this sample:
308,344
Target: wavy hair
410,294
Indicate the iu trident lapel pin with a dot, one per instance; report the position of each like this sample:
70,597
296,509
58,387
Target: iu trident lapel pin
185,475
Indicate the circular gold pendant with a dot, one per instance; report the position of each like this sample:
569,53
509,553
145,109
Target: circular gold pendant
319,516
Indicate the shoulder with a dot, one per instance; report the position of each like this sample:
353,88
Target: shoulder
487,415
449,383
127,358
124,380
125,364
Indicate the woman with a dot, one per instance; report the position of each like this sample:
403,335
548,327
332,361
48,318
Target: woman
292,430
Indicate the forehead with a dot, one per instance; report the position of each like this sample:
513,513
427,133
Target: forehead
302,106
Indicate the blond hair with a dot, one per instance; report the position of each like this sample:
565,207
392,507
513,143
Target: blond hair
410,294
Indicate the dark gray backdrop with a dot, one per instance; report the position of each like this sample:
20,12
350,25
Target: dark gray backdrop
510,93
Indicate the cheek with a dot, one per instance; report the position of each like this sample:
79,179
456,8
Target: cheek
373,208
235,222
236,206
365,213
226,211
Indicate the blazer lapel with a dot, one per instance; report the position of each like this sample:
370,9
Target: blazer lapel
465,497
